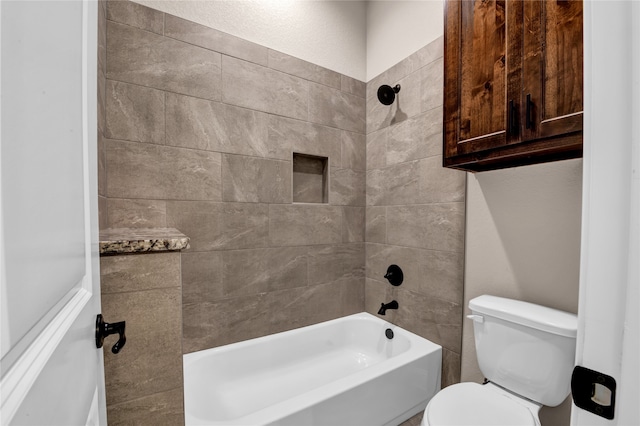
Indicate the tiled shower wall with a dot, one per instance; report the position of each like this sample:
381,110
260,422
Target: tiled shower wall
415,207
199,130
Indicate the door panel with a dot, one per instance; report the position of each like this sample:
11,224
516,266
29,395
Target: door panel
51,370
45,167
553,68
483,75
483,68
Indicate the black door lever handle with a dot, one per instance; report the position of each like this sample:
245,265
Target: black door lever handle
104,329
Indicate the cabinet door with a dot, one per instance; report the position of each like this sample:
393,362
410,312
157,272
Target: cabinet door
483,76
553,69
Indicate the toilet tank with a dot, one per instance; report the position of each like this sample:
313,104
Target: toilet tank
525,348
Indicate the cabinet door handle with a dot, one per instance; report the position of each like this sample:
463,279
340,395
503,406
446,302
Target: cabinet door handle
513,118
529,120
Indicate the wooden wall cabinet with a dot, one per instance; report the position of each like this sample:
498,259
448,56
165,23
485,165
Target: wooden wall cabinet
513,83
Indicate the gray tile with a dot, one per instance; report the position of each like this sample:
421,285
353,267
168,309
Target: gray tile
408,99
334,108
352,293
102,166
434,319
340,262
353,224
418,137
141,57
136,15
244,84
161,409
443,275
353,86
354,146
195,123
201,276
256,180
347,187
245,225
102,101
211,324
401,183
137,170
151,361
390,77
200,220
247,133
431,226
212,39
299,225
429,272
450,368
428,54
407,103
253,86
375,189
287,135
376,224
102,38
310,179
376,293
134,113
132,213
313,304
102,212
139,272
309,188
303,69
377,149
287,268
439,184
245,272
213,126
217,226
254,271
381,116
432,85
380,256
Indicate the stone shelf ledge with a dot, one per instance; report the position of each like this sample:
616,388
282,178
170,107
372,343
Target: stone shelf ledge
141,240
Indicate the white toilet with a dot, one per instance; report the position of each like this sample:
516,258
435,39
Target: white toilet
525,351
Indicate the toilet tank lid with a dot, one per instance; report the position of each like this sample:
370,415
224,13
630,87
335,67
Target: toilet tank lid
527,314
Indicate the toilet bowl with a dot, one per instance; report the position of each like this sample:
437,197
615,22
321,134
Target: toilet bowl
479,405
525,351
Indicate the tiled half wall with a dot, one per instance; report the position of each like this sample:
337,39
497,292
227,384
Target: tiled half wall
197,130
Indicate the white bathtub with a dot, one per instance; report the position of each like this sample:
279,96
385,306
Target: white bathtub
343,372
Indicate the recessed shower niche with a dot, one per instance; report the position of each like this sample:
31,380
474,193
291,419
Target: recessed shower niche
310,179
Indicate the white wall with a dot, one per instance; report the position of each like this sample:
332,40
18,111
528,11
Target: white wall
523,242
396,29
331,34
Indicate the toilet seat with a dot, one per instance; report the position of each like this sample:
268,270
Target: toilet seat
475,404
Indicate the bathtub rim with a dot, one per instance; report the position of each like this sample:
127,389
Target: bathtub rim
419,347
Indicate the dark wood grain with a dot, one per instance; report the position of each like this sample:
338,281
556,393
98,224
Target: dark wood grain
482,68
500,51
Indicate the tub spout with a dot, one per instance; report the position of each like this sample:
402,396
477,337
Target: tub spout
391,305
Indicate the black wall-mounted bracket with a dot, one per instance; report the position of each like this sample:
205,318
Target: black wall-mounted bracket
104,329
594,392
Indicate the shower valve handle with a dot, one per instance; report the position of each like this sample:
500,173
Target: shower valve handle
104,329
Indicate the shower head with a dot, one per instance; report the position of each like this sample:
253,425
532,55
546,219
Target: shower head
387,94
